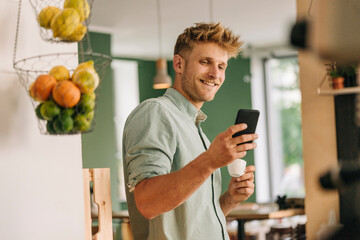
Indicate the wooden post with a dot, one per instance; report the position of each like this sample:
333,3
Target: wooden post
102,197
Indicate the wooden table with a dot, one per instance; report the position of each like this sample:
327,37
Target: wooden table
240,214
261,213
122,215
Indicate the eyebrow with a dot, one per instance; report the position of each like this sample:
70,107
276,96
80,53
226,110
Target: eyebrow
211,59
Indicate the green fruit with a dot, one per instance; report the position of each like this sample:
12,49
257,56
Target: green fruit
57,126
63,124
90,115
49,110
67,112
67,123
92,95
81,123
87,103
50,127
37,111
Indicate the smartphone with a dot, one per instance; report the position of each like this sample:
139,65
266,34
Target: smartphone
248,116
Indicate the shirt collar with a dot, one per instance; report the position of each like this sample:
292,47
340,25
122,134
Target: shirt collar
185,106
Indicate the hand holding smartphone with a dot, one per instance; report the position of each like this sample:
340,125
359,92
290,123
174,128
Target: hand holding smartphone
248,116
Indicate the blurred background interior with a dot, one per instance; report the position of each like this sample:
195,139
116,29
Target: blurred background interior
302,134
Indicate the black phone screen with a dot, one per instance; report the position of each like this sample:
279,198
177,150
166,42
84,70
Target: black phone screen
248,116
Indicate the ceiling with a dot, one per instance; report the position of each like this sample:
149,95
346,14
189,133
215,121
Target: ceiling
134,23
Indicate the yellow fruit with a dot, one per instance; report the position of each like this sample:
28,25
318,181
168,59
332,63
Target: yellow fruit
83,65
86,79
78,34
64,23
60,73
88,64
46,15
82,6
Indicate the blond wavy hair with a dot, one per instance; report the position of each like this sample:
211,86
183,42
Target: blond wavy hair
208,32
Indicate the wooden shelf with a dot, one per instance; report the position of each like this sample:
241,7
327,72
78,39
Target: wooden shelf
333,92
347,90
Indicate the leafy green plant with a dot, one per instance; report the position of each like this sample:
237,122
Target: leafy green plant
334,70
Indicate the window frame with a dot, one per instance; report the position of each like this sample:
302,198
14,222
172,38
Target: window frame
264,179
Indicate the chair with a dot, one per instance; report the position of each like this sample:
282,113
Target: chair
285,233
300,232
102,197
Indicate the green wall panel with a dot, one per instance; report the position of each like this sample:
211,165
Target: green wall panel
99,146
147,71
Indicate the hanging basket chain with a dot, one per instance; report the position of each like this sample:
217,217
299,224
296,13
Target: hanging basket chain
17,33
211,11
159,27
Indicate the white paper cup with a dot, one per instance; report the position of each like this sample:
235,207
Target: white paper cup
237,168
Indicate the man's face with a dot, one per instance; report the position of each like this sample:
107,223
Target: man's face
204,73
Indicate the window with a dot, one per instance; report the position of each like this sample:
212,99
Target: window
275,92
284,136
126,97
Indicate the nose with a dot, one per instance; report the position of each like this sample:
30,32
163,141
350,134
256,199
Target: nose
214,72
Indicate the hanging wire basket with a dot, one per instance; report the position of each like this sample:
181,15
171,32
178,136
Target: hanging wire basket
63,87
64,20
54,118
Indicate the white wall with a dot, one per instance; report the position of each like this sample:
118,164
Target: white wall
40,175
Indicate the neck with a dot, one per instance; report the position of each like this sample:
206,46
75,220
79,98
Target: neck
197,105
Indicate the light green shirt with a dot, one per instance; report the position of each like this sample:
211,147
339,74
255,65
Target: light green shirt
162,135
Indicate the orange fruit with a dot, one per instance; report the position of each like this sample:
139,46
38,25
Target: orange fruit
66,94
41,88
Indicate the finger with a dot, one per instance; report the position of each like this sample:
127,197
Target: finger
244,138
244,177
243,184
235,128
246,191
246,147
250,168
239,155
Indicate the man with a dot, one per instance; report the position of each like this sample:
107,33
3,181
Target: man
171,168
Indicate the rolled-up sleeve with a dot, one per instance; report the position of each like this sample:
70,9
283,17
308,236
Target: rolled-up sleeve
148,142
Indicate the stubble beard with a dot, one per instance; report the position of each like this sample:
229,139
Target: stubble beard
190,88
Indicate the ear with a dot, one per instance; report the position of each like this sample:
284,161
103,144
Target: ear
178,63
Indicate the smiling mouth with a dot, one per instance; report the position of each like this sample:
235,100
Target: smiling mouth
209,83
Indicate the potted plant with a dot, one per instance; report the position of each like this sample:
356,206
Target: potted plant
336,76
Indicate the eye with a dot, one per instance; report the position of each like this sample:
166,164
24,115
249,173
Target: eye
222,67
204,61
